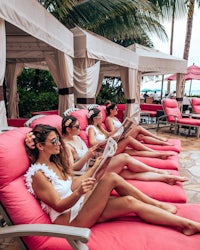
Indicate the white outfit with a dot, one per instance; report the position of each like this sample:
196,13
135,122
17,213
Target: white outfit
80,151
98,135
63,187
116,123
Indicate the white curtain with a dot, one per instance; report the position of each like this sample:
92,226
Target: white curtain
3,118
130,82
61,67
86,79
13,70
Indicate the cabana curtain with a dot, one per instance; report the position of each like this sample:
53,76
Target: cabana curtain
13,70
129,78
61,67
86,80
3,120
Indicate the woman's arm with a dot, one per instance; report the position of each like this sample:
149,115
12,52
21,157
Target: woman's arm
109,124
89,173
46,192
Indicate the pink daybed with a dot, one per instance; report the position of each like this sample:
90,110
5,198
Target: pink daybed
123,233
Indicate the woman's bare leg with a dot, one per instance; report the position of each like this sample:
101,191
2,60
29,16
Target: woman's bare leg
133,200
140,130
151,140
133,143
151,154
137,170
150,214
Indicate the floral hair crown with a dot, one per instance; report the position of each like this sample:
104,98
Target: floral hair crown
90,113
29,140
68,122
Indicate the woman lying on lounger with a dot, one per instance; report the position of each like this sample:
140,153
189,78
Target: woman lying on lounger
67,200
123,164
96,134
138,132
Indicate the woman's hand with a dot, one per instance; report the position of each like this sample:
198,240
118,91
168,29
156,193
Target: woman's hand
86,185
91,151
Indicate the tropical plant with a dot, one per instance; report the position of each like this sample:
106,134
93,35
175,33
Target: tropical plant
123,21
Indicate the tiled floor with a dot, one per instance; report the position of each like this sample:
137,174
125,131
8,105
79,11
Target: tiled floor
189,166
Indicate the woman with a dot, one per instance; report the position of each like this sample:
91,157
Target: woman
67,200
96,134
81,155
138,132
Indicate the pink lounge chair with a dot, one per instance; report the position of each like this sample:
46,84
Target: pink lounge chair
28,217
195,102
174,117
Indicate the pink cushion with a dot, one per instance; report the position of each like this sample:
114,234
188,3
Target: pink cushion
176,146
171,162
189,121
102,108
81,116
195,105
131,233
52,120
170,107
160,190
13,158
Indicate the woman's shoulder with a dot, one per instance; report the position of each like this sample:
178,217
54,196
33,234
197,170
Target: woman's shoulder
90,127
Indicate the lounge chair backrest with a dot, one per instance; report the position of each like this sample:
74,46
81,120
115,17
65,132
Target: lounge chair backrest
170,107
20,205
195,102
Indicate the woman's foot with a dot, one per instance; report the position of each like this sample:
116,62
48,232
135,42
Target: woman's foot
172,179
193,228
168,207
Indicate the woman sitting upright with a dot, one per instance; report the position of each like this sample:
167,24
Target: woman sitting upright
96,134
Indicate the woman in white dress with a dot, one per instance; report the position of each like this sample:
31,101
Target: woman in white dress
138,132
67,200
96,134
123,164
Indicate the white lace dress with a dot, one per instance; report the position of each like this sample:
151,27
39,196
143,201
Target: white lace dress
98,136
63,187
80,151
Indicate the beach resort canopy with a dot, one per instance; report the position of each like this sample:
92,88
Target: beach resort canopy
155,62
30,36
96,57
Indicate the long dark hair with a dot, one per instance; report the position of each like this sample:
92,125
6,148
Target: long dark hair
61,160
68,122
110,106
91,114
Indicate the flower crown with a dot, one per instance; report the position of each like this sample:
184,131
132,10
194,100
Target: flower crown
68,122
90,113
29,140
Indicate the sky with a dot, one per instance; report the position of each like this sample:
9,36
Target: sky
178,45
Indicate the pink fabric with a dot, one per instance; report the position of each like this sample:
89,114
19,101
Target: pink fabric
131,233
195,105
175,147
82,116
169,163
52,120
117,234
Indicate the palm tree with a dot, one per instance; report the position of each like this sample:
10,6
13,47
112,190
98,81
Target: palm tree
124,21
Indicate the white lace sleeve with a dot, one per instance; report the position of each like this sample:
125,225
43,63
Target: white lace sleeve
91,126
31,172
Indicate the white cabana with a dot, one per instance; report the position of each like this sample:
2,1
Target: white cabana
96,57
155,62
31,36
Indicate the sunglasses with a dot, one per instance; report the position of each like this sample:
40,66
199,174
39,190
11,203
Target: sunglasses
55,141
77,126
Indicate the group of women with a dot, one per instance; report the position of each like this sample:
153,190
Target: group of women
68,198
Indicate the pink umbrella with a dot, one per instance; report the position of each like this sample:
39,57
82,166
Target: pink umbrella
193,73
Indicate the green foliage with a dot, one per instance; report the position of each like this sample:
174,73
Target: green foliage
37,91
111,90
